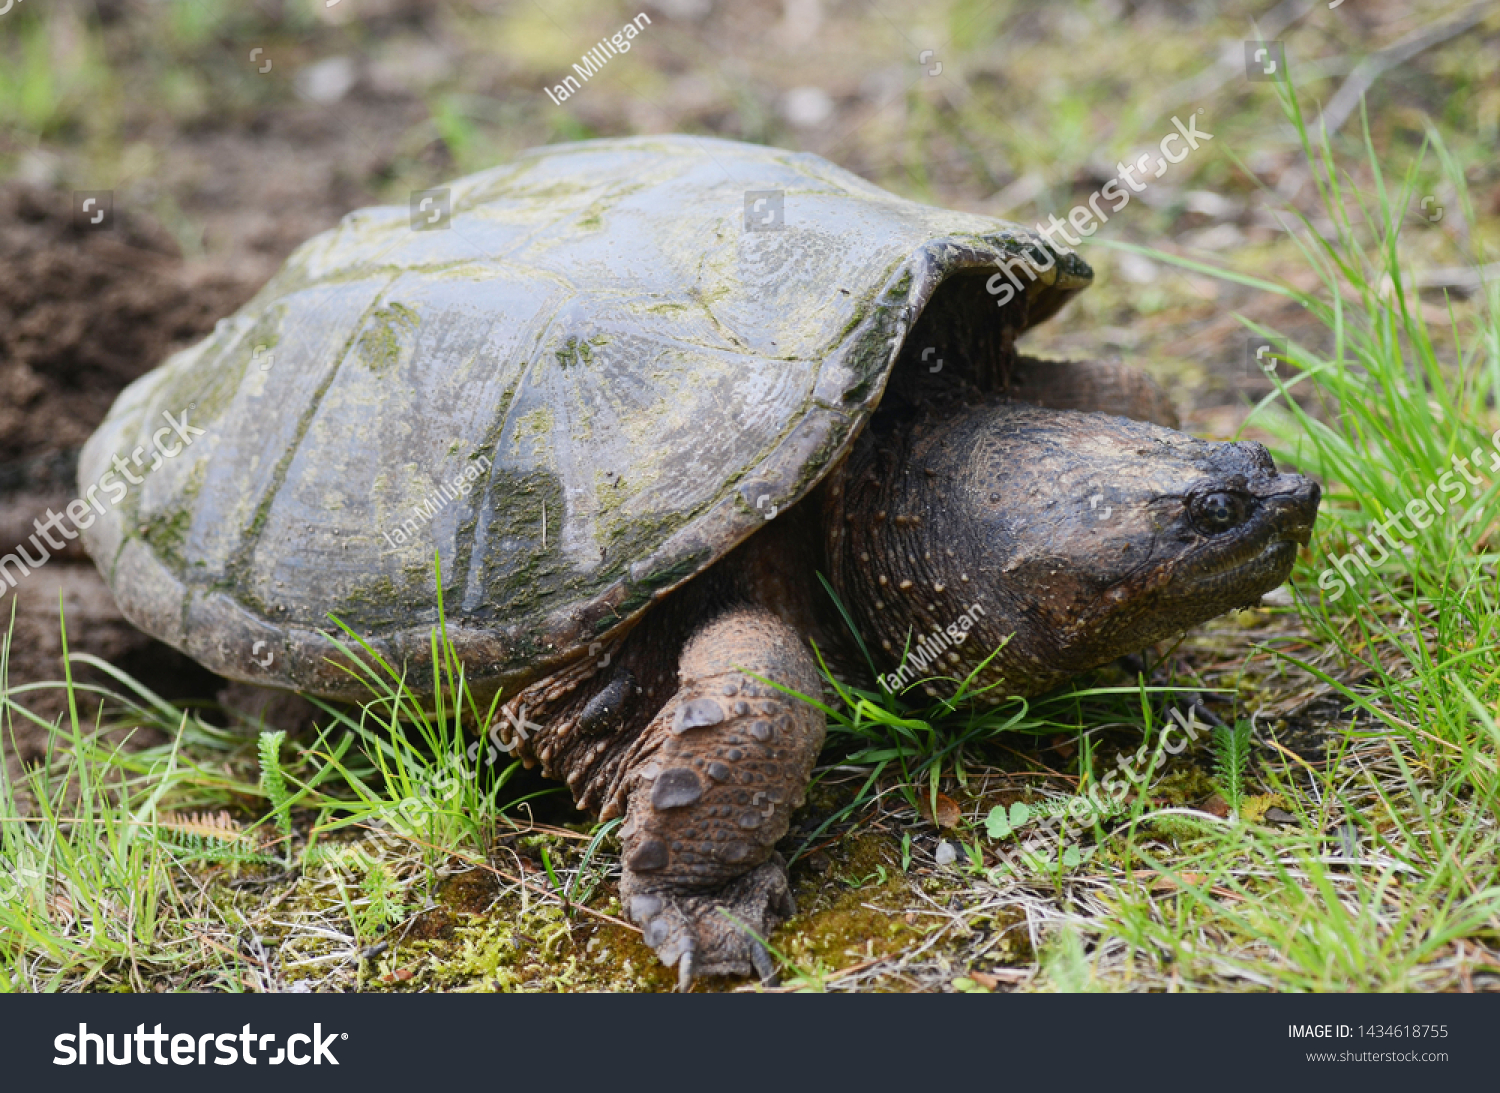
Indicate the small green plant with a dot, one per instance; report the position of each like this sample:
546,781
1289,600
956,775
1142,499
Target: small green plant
975,853
1231,760
886,732
1035,855
384,905
1003,822
273,785
426,781
211,839
1065,964
573,896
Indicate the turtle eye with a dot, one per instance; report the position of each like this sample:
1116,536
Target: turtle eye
1217,512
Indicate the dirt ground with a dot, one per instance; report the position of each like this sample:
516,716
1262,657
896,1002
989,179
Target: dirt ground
82,313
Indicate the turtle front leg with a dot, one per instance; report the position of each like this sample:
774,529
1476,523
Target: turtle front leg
711,787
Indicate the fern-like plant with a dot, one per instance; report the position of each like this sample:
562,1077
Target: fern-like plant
273,785
384,905
1231,760
214,838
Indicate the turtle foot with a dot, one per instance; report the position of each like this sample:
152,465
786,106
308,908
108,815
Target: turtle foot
718,932
722,767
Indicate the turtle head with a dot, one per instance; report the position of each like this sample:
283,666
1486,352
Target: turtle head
1074,538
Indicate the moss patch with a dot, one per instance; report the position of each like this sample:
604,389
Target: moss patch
387,335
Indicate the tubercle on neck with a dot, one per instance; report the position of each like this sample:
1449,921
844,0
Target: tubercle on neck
898,562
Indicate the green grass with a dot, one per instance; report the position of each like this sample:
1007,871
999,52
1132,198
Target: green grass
52,73
118,872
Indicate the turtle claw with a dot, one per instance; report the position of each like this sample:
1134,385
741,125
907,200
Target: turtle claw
765,967
715,932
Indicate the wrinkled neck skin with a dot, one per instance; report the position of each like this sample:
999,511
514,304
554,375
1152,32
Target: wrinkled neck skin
1070,538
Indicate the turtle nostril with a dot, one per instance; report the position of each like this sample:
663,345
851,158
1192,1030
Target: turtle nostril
1294,507
1306,503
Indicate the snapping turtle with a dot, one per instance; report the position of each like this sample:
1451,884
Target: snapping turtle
636,395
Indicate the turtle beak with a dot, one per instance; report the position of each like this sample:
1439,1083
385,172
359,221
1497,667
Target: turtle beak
1291,504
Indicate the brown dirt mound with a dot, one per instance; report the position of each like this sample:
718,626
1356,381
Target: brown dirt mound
82,313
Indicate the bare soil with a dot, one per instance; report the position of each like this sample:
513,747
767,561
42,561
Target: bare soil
82,313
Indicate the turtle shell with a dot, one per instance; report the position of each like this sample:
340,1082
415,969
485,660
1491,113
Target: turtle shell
607,365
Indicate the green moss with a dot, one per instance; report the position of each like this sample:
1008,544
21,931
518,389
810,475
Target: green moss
612,492
166,534
852,915
386,335
580,350
477,932
377,598
534,423
569,354
1184,787
538,949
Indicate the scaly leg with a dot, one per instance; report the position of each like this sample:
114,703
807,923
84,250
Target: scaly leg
712,785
